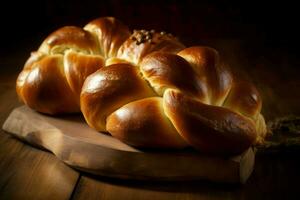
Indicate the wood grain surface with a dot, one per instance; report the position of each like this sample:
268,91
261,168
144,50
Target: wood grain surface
30,173
75,143
26,172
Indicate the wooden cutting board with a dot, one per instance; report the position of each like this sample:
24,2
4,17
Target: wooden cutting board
76,144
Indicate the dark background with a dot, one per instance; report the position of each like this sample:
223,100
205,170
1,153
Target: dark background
267,29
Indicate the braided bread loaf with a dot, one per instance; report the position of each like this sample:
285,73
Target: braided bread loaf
153,92
52,77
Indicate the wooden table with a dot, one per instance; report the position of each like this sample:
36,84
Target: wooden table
30,173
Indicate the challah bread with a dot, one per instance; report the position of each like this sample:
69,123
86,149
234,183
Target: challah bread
143,42
187,99
110,88
74,53
42,85
52,77
144,88
212,129
143,123
109,33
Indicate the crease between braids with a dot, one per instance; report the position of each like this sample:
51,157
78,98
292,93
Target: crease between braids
145,88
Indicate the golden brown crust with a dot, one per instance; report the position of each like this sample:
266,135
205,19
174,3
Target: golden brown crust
78,67
200,102
165,70
69,37
110,88
205,107
198,114
48,92
244,99
142,42
200,58
211,129
21,80
143,123
83,51
211,72
110,33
